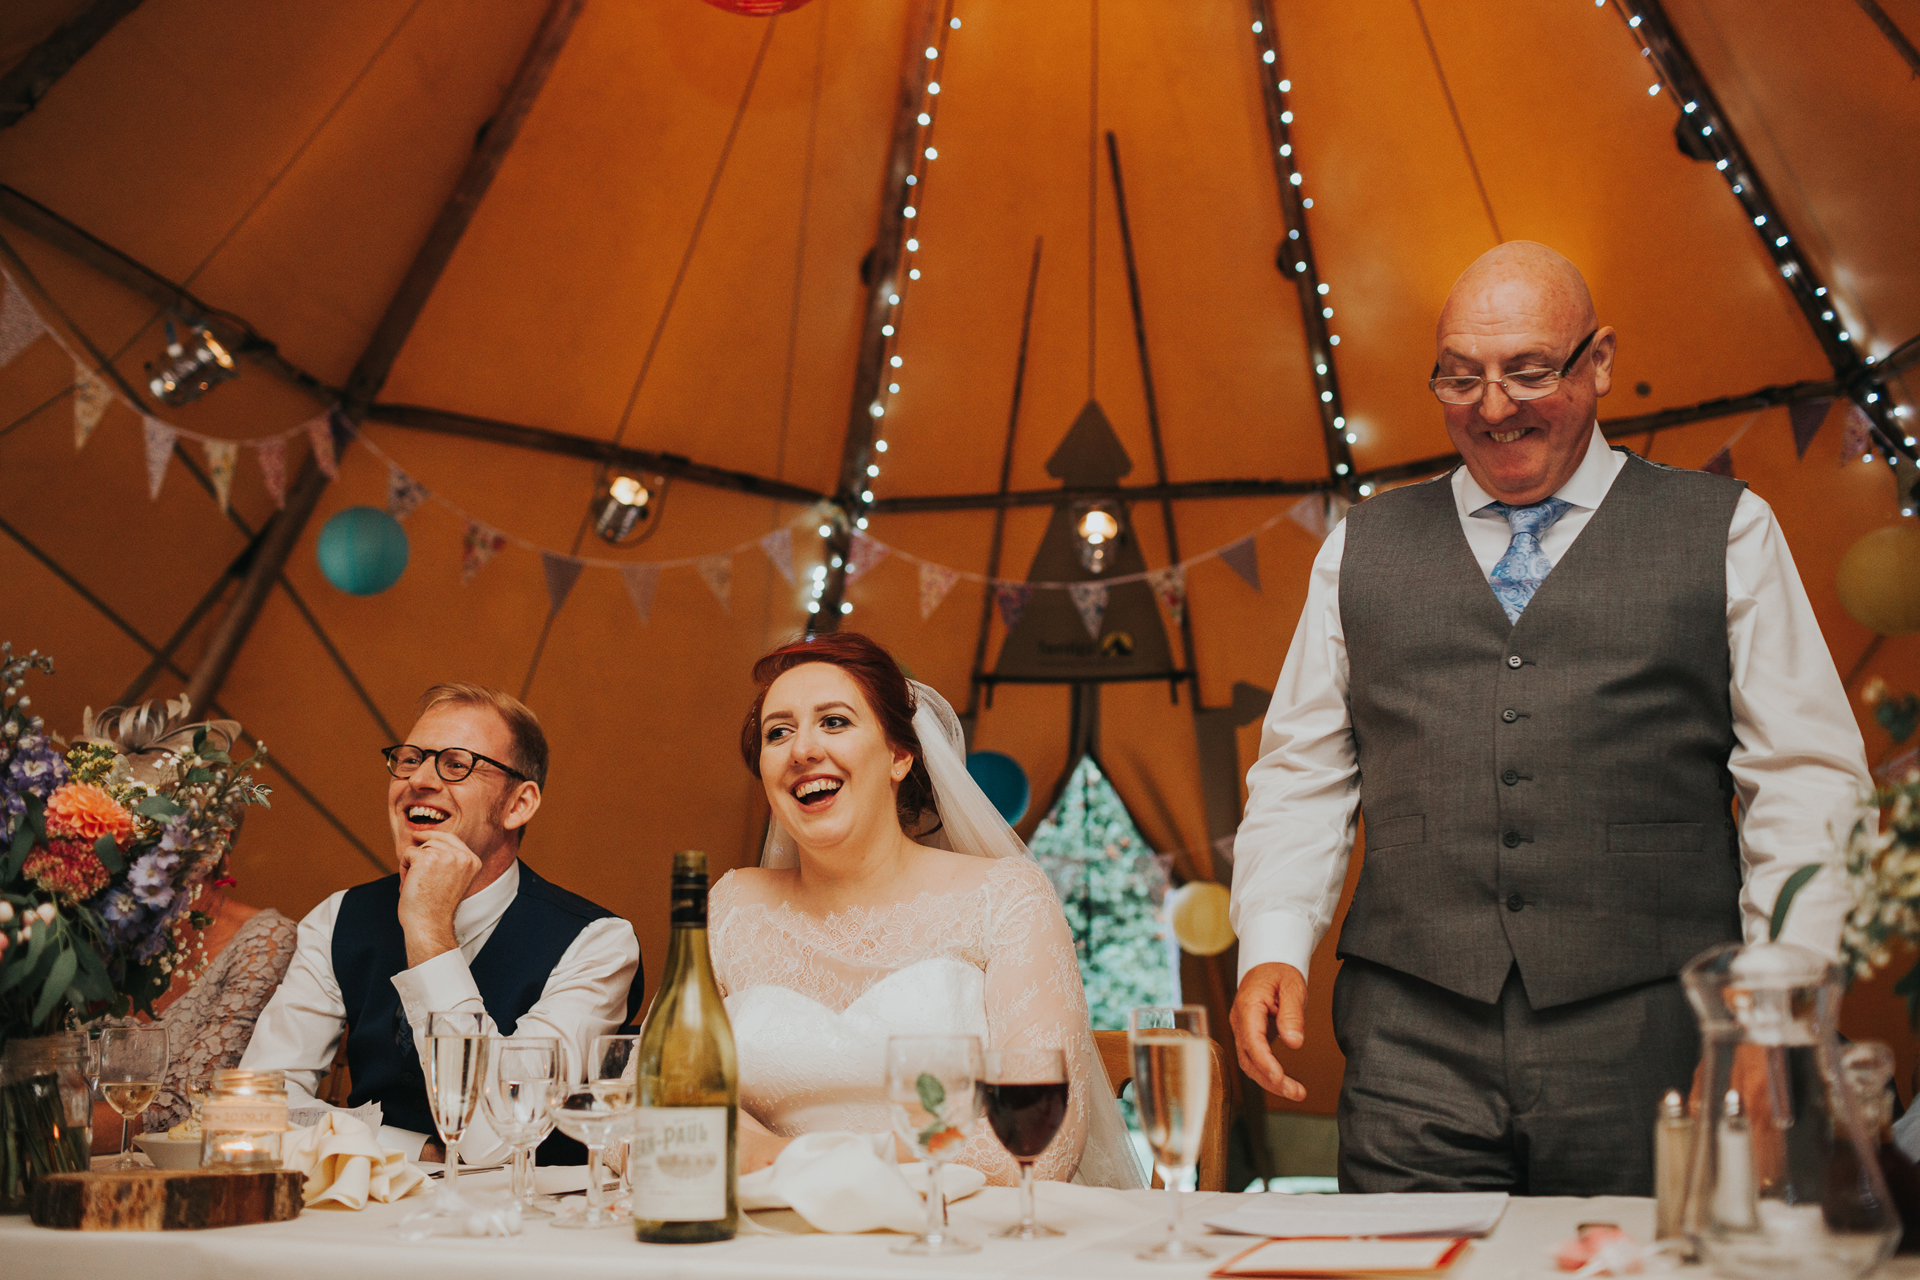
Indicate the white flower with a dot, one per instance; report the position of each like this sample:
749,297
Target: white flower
6,912
46,912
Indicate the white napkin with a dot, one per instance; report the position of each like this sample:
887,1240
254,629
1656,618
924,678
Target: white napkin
842,1182
344,1163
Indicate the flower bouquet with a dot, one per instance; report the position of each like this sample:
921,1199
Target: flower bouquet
1883,872
101,865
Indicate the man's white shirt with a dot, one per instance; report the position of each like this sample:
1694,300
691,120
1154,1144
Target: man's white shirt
1798,762
585,996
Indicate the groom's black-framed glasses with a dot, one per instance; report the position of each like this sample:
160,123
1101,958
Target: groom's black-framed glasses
453,764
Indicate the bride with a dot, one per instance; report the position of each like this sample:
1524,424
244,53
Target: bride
855,928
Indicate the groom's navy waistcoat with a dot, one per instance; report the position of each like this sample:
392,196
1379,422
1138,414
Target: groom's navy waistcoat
511,970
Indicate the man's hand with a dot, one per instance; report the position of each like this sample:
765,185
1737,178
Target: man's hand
1270,995
434,876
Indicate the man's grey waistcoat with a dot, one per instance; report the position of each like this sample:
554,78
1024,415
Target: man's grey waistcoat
1554,792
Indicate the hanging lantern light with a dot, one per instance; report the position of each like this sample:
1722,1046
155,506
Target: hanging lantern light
1097,527
624,508
757,8
188,370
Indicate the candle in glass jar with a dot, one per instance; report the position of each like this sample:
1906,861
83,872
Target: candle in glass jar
243,1120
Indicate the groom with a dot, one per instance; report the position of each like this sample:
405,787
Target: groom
464,927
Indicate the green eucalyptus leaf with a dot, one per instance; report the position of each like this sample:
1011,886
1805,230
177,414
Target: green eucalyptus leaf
1788,892
932,1092
202,775
109,854
158,807
17,855
56,984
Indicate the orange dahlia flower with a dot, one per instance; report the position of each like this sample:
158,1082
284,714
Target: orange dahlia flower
82,811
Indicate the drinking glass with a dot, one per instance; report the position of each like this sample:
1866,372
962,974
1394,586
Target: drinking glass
615,1060
599,1113
455,1064
932,1082
133,1062
1024,1092
519,1102
1172,1069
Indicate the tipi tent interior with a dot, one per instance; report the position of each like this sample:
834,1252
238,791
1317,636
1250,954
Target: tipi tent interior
506,250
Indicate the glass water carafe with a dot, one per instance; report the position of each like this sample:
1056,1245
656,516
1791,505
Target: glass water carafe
1785,1181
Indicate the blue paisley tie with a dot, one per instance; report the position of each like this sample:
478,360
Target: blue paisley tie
1525,566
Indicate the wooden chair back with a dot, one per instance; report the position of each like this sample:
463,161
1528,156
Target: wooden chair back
1117,1058
338,1085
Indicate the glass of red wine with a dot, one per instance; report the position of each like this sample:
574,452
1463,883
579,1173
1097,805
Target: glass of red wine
1024,1092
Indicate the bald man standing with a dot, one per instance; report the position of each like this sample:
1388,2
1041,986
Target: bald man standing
1546,678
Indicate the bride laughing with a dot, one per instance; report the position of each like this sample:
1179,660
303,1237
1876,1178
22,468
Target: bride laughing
891,899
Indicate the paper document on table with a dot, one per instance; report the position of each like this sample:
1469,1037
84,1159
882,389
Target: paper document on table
1377,1258
1472,1213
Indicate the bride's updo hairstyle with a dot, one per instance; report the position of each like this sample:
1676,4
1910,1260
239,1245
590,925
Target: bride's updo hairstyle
885,688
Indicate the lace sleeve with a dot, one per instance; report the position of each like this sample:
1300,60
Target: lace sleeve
720,901
209,1025
1034,1000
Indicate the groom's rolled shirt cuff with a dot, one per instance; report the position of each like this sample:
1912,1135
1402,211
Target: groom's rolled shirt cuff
1275,937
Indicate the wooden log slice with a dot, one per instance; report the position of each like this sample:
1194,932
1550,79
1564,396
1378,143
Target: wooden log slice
164,1199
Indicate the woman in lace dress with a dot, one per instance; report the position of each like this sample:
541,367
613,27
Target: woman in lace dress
853,930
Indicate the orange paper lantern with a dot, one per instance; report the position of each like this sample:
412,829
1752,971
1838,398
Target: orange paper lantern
757,8
1879,580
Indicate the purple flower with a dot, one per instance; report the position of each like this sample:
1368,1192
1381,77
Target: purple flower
176,836
152,945
148,879
118,906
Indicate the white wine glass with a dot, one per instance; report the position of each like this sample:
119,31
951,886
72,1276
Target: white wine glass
595,1117
1024,1093
613,1064
133,1062
519,1102
455,1065
933,1083
1172,1073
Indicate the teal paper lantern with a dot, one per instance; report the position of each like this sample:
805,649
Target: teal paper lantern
363,551
1004,781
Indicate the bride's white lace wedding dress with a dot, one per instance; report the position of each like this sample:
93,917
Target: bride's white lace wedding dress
813,1001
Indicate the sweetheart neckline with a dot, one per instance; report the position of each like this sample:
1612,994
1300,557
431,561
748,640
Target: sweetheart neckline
870,989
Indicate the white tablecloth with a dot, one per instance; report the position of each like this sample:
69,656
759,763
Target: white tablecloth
1104,1230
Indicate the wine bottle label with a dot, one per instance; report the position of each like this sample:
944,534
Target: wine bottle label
679,1164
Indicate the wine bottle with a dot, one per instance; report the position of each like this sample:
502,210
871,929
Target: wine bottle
684,1159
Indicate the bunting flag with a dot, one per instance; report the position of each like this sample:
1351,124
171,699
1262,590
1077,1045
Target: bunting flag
561,573
273,468
482,544
404,493
935,581
779,548
717,572
221,455
160,438
320,435
1310,513
1858,437
1721,463
1243,557
641,579
91,396
1337,508
1806,418
1170,589
20,324
864,554
1090,598
1012,598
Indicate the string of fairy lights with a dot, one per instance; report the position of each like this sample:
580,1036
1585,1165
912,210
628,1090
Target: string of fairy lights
925,152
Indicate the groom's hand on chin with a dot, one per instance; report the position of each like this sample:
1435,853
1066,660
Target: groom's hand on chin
435,873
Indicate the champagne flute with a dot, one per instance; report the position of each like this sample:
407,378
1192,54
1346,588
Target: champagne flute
613,1064
1172,1069
519,1101
932,1082
455,1064
133,1062
1024,1092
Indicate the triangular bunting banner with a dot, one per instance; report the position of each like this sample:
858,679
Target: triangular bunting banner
221,455
160,438
481,545
404,493
1090,598
1721,463
864,554
1806,418
1170,589
1858,437
1310,513
1012,598
641,579
20,324
1243,557
1337,508
561,573
779,548
91,396
717,572
273,467
935,581
320,435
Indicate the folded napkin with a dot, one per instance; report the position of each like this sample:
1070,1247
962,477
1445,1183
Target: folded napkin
344,1164
848,1182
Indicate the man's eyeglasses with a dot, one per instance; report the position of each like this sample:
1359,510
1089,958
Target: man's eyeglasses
1521,384
453,764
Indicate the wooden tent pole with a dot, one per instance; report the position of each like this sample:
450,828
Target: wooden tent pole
371,370
29,79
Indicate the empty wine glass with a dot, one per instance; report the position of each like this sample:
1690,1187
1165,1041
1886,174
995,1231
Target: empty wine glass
132,1063
1172,1073
519,1101
614,1060
599,1113
455,1064
932,1082
1024,1092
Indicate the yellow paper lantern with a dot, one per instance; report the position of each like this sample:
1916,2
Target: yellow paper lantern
1198,910
1879,580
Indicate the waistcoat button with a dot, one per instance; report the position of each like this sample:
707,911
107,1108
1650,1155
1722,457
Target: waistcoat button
1515,902
1511,839
1514,661
1509,715
1510,777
